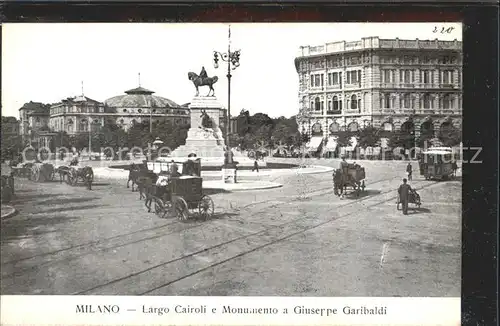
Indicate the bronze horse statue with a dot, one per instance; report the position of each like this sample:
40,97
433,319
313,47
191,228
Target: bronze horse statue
198,81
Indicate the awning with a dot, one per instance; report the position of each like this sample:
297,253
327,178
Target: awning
331,145
354,143
314,143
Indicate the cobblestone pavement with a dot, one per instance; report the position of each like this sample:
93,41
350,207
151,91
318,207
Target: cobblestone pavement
296,240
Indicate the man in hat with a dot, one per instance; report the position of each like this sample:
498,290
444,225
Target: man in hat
409,171
404,194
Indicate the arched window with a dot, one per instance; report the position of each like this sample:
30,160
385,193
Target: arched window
354,102
334,127
353,127
336,104
133,122
316,129
122,121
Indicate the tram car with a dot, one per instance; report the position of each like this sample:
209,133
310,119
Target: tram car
437,163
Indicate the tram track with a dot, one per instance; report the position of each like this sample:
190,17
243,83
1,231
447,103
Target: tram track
263,234
272,202
100,245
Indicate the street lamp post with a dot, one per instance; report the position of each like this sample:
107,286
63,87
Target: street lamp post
233,62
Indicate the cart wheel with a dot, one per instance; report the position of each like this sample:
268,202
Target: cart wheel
181,209
206,207
73,177
35,173
159,207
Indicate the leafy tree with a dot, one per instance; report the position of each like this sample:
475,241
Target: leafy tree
401,139
368,137
424,137
344,138
451,137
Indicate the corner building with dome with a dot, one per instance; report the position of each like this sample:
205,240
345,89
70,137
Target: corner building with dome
393,85
76,115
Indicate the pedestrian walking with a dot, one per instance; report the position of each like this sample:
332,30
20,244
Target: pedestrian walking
409,171
255,166
404,194
454,167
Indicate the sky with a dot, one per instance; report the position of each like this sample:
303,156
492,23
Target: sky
47,62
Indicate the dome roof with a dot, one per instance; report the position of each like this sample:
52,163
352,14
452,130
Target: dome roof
140,97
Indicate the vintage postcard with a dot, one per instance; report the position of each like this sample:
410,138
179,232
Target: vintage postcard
278,174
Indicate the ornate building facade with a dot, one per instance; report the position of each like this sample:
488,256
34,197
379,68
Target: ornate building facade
390,84
81,114
139,105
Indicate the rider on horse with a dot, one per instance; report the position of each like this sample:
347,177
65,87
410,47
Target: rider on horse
203,74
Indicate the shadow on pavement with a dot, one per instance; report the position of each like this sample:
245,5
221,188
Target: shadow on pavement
63,201
368,192
20,229
63,209
421,210
19,195
214,191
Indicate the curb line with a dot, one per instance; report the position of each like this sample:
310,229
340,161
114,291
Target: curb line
11,211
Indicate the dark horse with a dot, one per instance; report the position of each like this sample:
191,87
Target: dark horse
198,81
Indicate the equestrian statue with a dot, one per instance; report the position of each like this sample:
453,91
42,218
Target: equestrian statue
203,80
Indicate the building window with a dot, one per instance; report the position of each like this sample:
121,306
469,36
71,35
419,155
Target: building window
386,101
427,101
317,80
334,78
405,76
334,127
329,106
426,77
354,77
447,77
354,102
122,121
84,125
133,122
317,104
406,101
448,102
125,110
140,111
353,127
387,76
336,104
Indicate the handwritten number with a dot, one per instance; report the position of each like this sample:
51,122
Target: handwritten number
443,30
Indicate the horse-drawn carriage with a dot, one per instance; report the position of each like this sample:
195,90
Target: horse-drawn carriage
180,192
35,171
350,176
74,173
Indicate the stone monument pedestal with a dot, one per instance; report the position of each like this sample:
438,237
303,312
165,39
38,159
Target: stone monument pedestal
207,143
